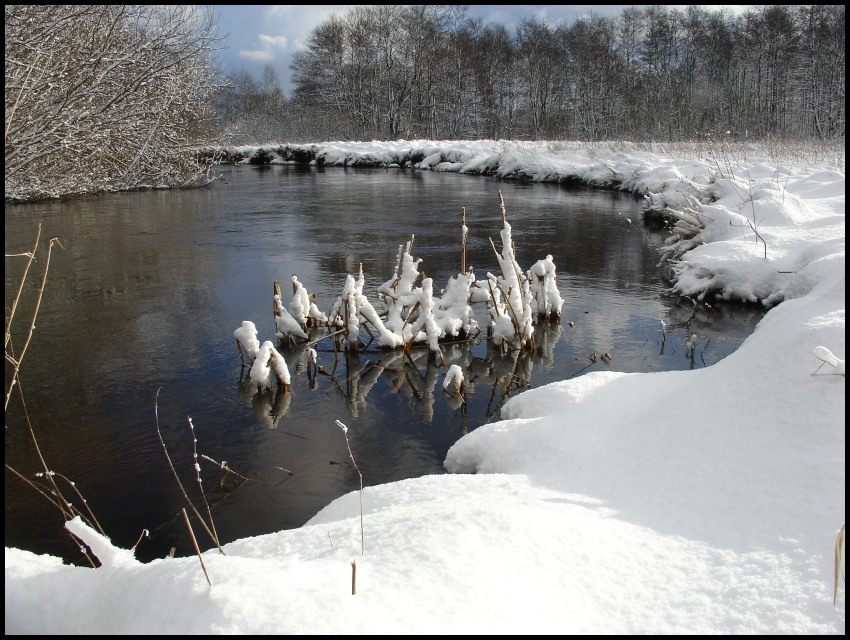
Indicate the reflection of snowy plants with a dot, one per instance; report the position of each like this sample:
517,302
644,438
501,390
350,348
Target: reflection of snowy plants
410,313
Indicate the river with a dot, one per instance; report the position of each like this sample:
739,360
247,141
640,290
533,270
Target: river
134,340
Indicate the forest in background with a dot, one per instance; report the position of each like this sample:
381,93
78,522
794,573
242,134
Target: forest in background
651,73
116,97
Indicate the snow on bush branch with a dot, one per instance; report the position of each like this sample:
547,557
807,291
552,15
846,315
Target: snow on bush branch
106,97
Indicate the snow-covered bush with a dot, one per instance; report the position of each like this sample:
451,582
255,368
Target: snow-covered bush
269,361
546,299
409,314
107,97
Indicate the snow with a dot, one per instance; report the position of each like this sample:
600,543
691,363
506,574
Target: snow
690,502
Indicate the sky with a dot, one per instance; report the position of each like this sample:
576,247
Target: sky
706,501
260,35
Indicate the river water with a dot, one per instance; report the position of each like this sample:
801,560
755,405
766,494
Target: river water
135,340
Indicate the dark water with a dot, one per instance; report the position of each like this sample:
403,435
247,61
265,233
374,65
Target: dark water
141,304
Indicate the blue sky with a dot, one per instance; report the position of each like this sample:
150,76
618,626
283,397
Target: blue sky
258,35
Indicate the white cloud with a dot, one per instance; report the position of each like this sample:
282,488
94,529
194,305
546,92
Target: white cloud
257,55
269,47
273,42
298,24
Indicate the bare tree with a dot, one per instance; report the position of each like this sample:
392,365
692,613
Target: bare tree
252,112
597,95
106,97
822,84
536,48
655,72
323,94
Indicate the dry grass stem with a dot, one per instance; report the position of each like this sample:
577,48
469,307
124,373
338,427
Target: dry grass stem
145,534
177,478
50,489
8,347
839,562
195,543
351,455
200,484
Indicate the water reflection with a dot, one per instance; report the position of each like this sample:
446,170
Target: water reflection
490,375
146,295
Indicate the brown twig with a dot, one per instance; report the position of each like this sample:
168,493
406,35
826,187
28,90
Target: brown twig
351,455
10,358
145,534
198,477
51,490
177,478
195,543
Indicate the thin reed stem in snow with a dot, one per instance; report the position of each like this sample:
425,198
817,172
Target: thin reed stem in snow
351,455
177,478
195,544
198,477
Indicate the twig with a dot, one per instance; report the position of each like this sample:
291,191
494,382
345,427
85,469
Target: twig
16,362
31,256
324,337
195,543
839,562
51,490
351,455
20,93
225,468
198,477
145,534
177,478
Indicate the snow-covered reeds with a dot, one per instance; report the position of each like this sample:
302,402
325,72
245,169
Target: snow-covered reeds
269,362
247,343
410,312
303,307
265,363
546,299
464,232
513,322
398,294
285,323
353,309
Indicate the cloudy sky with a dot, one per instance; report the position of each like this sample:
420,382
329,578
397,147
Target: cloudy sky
258,35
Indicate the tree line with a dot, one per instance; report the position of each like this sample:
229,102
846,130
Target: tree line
116,97
651,73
